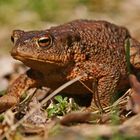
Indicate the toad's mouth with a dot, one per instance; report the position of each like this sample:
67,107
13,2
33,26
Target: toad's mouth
39,65
25,58
28,59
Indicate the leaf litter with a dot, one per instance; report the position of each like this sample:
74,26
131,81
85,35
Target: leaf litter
30,118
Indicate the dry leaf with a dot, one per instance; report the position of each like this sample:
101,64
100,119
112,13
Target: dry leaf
134,101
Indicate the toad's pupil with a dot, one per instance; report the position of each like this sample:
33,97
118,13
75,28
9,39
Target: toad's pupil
43,40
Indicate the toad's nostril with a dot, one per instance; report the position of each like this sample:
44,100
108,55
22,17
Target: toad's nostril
12,39
16,34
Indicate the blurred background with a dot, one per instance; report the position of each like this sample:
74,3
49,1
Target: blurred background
41,14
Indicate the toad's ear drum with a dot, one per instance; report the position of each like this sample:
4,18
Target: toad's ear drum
45,41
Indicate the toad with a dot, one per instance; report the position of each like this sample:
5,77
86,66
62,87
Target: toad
61,53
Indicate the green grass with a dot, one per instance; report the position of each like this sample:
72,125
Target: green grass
61,106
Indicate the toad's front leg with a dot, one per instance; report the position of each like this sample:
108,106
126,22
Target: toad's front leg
18,87
104,90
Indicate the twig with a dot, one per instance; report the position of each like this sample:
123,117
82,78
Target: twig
117,102
29,96
95,96
120,101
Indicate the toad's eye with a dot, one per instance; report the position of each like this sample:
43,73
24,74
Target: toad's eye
44,41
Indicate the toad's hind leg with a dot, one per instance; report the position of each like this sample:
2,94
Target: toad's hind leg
104,90
16,89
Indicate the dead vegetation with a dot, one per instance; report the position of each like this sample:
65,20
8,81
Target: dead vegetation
30,119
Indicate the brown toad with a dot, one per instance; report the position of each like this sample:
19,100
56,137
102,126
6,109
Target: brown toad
61,53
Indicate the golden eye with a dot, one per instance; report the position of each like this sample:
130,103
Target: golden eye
44,41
